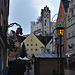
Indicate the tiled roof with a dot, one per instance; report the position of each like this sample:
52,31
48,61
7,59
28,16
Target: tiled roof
47,56
44,39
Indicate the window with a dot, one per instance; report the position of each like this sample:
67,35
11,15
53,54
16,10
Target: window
63,24
27,49
60,24
27,44
63,48
72,33
60,17
72,12
31,44
1,19
45,32
63,36
45,24
31,39
45,21
68,35
36,44
31,49
68,16
36,49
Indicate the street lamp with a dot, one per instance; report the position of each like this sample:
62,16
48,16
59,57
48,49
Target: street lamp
60,33
60,30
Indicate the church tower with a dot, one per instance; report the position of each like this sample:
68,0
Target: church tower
45,17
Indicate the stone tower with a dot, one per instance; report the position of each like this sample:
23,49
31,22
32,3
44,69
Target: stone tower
45,17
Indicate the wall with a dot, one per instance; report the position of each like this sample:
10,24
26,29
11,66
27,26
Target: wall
71,26
45,66
61,21
33,42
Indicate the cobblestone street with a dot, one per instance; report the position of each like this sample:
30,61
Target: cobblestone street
69,72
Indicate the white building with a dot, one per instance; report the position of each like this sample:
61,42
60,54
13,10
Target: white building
42,26
71,26
53,34
71,32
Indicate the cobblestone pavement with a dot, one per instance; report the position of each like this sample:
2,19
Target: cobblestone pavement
69,72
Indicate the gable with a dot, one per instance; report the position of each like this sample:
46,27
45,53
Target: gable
32,39
61,13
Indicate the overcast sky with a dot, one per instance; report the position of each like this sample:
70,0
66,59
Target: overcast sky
25,11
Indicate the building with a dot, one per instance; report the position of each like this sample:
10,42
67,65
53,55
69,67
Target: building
4,12
53,36
33,45
49,47
46,64
71,31
42,26
61,21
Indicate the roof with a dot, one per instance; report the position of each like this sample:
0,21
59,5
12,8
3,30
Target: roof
20,38
71,53
44,39
65,4
47,56
26,35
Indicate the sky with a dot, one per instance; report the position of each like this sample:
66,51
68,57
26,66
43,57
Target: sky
25,11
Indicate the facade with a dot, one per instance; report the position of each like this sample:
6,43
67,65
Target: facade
48,48
4,12
33,45
36,27
71,30
51,46
42,26
61,21
71,26
53,34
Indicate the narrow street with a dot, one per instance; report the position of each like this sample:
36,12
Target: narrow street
37,37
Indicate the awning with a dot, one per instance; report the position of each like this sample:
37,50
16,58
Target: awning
70,53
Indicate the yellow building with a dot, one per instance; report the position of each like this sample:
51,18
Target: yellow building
33,45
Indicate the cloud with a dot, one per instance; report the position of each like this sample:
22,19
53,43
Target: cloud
40,4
